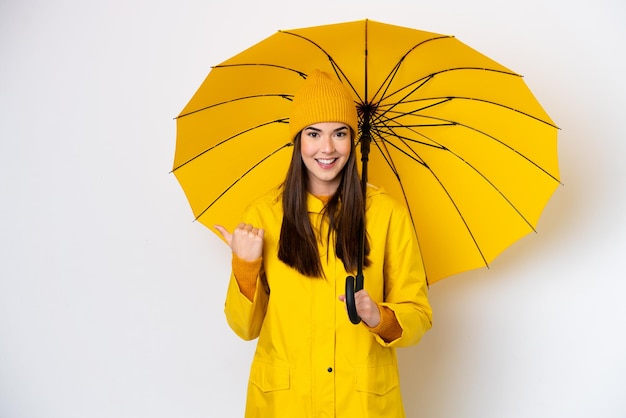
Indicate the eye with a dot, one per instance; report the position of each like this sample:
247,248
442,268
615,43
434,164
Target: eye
311,133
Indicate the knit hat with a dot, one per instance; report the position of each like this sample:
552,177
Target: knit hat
322,98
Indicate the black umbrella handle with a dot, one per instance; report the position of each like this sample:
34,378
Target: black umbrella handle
352,286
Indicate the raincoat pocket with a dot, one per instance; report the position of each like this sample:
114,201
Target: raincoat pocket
377,380
269,377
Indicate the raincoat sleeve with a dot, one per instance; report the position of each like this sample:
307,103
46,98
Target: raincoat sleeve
245,317
406,291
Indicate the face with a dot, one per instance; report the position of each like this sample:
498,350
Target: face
325,148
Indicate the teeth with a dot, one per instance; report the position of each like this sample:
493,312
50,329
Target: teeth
329,161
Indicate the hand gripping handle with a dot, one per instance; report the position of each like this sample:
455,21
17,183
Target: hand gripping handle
352,286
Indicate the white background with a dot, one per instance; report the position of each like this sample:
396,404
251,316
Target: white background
111,297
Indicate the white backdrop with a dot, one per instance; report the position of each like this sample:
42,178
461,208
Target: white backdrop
111,297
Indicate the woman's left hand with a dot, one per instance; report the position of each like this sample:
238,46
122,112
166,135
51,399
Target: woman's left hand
366,308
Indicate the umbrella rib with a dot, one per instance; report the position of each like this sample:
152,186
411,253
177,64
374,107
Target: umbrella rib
442,147
445,99
257,96
283,120
385,85
387,157
336,68
254,64
419,160
233,184
477,171
387,119
419,83
457,209
405,141
454,123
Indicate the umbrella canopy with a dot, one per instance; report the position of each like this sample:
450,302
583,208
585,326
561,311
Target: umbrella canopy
458,137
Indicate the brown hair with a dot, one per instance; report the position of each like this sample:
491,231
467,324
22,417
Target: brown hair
345,213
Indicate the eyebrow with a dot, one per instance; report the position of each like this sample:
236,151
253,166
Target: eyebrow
319,130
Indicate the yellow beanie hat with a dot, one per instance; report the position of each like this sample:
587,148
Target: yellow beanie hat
322,98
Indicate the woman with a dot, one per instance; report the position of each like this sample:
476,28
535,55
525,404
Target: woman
291,256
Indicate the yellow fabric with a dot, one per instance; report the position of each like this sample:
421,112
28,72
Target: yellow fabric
475,152
310,360
324,199
388,329
246,273
322,98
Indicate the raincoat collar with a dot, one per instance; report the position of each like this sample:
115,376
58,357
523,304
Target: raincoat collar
316,205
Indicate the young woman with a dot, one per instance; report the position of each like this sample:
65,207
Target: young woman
291,256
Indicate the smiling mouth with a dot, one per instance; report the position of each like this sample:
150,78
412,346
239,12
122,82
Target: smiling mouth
325,162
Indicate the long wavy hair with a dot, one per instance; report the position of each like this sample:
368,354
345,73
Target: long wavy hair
345,213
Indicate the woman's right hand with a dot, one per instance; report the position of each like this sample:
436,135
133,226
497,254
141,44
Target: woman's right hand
246,241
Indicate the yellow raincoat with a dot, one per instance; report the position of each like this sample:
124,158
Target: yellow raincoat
310,360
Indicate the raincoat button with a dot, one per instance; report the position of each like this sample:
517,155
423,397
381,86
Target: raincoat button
329,370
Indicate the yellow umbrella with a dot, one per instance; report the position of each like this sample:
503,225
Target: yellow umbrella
458,137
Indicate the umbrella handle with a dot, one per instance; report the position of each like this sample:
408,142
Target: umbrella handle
352,286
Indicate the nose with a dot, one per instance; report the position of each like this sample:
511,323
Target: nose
328,145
